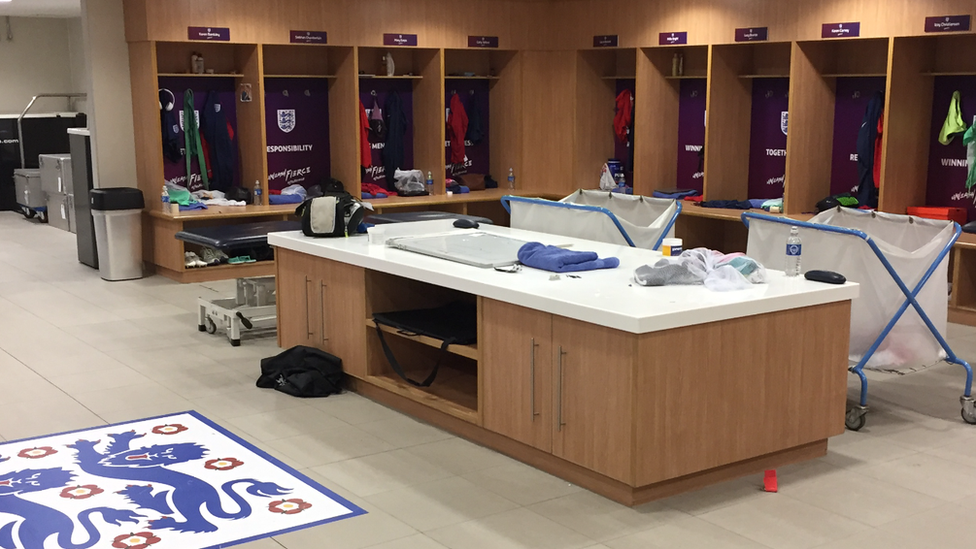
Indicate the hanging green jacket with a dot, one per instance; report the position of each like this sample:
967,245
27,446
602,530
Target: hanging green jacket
953,123
191,137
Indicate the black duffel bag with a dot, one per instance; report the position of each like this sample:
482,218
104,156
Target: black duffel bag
453,324
302,372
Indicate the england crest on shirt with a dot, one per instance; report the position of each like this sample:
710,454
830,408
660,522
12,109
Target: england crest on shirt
784,121
286,120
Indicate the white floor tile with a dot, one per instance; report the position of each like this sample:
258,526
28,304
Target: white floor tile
601,519
440,503
516,529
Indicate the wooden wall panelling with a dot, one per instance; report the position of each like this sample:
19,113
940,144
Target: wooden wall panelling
505,121
449,23
548,120
707,410
136,19
145,116
344,116
251,132
656,116
594,115
907,123
297,60
174,57
953,54
430,130
727,133
868,57
809,145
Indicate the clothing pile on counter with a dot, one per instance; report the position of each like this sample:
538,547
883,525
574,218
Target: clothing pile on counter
292,194
717,271
561,260
372,190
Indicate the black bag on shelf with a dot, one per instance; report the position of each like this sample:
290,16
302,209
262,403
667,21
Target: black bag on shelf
454,324
335,214
302,372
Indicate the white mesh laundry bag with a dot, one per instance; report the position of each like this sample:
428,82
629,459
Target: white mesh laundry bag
645,220
910,244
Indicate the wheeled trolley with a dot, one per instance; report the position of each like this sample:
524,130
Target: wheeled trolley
30,194
636,221
253,308
901,263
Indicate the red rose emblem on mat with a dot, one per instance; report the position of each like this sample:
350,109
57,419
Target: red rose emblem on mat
169,429
135,541
288,506
81,492
37,453
223,464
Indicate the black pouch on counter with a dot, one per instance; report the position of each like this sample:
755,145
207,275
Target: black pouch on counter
337,214
454,324
302,372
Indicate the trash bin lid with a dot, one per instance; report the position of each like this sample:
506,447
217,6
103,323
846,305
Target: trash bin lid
117,198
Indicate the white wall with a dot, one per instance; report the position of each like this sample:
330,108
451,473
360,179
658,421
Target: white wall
38,60
78,61
109,94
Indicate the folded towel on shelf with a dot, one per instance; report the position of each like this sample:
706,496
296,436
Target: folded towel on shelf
285,199
560,260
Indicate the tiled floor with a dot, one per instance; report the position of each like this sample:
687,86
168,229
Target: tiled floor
76,352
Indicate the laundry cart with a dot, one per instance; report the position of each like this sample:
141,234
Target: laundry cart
636,221
901,263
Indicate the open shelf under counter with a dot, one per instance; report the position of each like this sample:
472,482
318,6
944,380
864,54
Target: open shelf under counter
454,393
194,75
321,76
467,351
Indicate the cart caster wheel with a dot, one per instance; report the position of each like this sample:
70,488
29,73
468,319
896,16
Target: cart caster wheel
211,326
855,419
968,417
42,216
28,213
235,343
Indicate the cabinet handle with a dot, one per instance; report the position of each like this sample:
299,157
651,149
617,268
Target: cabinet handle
532,379
559,385
308,322
322,287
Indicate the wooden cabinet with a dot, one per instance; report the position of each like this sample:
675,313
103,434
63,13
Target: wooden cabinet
517,373
327,303
559,385
593,379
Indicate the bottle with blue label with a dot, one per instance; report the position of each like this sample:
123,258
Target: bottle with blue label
257,193
794,248
511,178
430,183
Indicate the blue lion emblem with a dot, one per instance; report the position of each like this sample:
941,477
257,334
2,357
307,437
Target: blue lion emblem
40,522
146,467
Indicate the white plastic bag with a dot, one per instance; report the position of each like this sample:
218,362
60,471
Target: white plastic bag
606,179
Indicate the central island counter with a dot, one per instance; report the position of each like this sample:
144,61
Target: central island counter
634,393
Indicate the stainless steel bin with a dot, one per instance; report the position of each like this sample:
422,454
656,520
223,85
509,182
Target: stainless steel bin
117,213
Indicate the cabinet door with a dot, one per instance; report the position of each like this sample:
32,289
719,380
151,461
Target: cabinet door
295,295
341,312
593,371
516,372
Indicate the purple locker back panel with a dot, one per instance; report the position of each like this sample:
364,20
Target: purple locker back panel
620,150
853,95
947,163
691,134
767,152
476,156
175,172
376,174
298,131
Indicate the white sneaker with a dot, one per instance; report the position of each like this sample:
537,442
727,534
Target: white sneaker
193,260
210,256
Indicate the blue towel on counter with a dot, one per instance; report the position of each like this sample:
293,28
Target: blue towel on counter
285,199
675,193
560,260
757,202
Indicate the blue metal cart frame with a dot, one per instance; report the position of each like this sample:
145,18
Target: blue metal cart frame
508,199
856,416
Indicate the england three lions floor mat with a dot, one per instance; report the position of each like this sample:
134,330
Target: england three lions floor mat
177,481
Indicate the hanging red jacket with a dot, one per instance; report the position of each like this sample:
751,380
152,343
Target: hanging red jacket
621,121
457,128
364,150
877,151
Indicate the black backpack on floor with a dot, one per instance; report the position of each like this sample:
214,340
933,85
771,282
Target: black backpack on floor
302,372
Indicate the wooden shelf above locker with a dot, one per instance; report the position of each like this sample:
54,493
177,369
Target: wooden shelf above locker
471,78
192,75
325,76
858,75
753,76
395,77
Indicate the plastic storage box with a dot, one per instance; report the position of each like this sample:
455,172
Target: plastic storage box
959,215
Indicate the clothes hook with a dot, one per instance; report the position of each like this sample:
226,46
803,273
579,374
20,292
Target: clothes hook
285,93
308,93
373,93
471,92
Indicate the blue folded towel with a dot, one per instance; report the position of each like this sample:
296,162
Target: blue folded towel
285,199
757,202
193,206
559,260
367,196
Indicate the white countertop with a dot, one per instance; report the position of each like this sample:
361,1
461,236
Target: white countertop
607,297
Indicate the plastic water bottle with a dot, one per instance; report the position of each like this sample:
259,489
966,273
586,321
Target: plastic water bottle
430,183
511,178
793,250
164,198
257,193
